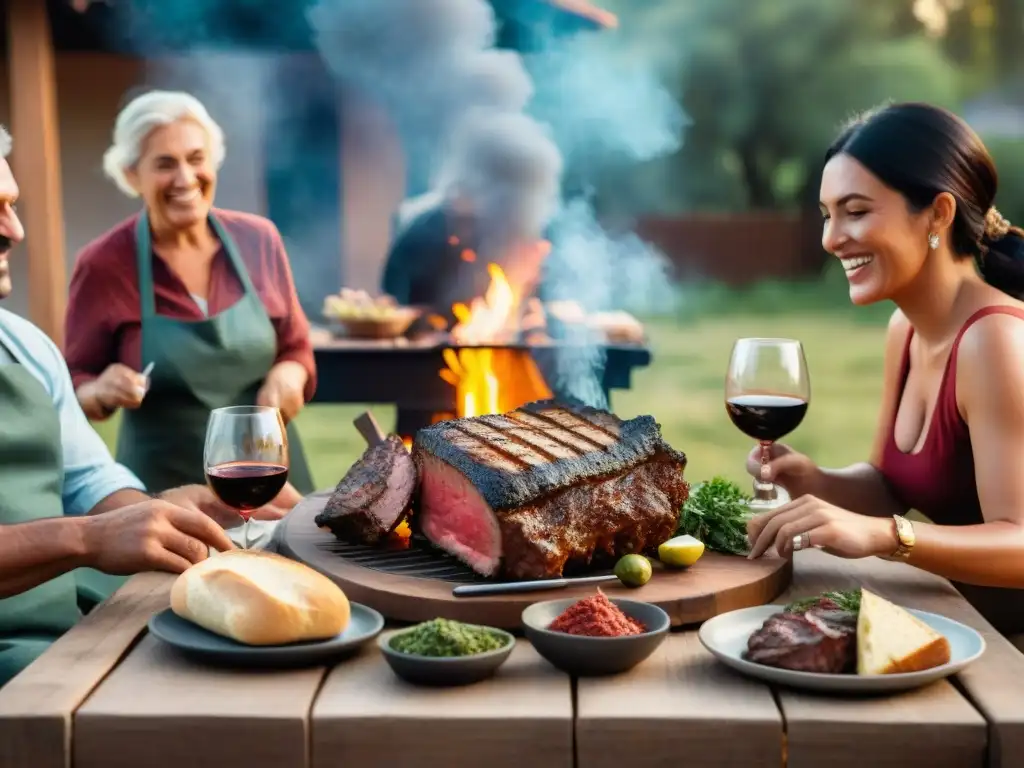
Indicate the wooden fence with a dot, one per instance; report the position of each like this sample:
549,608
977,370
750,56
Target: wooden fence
739,248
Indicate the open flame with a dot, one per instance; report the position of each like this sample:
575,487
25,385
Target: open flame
487,379
487,316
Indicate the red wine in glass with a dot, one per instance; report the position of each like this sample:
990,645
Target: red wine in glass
766,417
767,390
246,485
246,458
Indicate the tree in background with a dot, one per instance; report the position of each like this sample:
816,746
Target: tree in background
980,35
766,85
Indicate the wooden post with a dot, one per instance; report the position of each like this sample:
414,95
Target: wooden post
36,160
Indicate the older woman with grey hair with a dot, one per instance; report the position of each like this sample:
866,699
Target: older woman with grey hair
203,294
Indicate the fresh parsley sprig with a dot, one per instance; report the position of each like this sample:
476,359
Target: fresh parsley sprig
846,599
716,513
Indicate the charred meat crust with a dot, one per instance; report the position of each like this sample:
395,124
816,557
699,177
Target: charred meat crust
371,498
594,522
566,486
543,447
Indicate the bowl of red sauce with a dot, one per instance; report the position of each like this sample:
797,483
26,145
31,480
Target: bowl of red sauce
595,635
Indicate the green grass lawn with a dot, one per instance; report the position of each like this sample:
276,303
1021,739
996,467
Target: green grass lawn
683,389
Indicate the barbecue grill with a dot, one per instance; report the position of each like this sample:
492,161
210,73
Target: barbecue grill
404,373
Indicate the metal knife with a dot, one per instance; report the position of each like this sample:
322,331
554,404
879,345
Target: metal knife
145,374
469,590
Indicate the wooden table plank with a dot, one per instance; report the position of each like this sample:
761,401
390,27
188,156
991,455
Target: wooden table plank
160,710
36,706
937,725
1017,641
366,716
934,725
679,707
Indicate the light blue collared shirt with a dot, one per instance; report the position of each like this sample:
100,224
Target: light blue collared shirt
90,472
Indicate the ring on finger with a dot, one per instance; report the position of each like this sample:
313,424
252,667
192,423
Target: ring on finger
803,541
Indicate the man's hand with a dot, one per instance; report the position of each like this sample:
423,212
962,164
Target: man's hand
152,535
201,499
283,389
282,504
287,498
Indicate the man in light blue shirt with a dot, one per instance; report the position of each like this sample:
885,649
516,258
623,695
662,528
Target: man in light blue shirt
90,473
65,504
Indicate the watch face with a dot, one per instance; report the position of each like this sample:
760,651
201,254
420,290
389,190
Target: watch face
905,531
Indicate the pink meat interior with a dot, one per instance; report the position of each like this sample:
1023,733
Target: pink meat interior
455,517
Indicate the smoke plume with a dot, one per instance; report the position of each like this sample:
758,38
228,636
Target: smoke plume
464,108
527,137
459,102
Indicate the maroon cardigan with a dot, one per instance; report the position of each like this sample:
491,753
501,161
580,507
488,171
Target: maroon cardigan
102,325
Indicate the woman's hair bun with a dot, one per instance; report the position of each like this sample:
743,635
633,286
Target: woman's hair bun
1002,254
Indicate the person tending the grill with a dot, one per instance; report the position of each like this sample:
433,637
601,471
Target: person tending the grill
907,199
202,298
493,198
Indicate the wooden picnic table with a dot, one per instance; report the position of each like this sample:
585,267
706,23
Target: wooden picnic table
108,695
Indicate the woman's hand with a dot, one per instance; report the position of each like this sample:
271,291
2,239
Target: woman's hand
835,530
119,387
283,389
792,470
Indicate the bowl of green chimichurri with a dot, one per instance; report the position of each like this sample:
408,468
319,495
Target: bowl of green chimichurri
446,652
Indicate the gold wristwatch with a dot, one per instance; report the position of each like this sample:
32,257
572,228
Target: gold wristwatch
905,536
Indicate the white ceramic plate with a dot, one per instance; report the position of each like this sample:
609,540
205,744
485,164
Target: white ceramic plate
726,637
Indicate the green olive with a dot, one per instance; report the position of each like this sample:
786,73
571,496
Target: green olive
633,570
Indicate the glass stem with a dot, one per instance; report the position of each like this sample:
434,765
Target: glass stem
245,534
764,488
766,456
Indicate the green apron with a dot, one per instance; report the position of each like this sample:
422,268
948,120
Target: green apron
199,365
31,479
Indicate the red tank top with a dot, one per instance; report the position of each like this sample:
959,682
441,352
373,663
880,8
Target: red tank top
938,481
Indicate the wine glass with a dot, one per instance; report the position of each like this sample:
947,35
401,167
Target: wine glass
767,389
246,458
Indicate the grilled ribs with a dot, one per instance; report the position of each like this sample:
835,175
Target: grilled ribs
372,496
547,486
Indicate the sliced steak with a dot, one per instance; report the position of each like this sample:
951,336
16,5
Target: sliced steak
821,639
373,495
546,487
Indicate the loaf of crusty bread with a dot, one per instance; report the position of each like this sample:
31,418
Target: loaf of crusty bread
891,639
259,598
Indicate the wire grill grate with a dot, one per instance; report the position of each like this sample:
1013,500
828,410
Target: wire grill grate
420,560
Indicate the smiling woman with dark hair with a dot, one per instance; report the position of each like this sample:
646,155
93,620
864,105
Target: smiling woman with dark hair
907,198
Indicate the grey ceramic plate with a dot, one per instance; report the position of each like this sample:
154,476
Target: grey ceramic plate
189,638
458,670
591,656
726,637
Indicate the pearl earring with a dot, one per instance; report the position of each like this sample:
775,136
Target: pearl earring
933,241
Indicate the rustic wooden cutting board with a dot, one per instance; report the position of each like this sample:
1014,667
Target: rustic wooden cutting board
416,584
